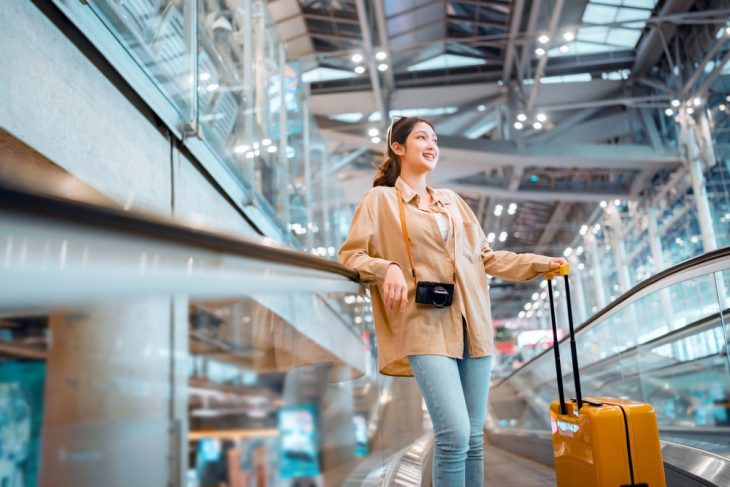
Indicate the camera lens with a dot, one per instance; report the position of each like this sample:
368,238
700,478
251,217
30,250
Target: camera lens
440,296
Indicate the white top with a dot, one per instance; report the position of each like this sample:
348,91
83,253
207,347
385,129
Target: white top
443,222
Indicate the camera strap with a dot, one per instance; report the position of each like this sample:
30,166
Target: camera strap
402,212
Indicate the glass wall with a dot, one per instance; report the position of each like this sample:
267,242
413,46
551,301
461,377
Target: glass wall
223,69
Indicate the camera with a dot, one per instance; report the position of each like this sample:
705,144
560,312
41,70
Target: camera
436,294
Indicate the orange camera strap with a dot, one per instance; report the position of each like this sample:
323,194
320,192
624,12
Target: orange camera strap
402,212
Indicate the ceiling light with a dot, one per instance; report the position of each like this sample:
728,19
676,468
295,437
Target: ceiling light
481,108
603,204
380,55
541,117
490,237
271,149
519,125
357,58
498,210
668,112
569,36
359,69
697,101
213,86
675,103
521,117
727,98
617,202
722,107
535,295
583,229
373,132
564,49
543,39
240,149
382,67
502,236
204,76
266,142
537,125
375,140
540,51
690,110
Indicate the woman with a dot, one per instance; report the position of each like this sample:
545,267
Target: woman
447,348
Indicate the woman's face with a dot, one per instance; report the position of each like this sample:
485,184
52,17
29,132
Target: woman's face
421,151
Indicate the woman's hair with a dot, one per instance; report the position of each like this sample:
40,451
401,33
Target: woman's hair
389,170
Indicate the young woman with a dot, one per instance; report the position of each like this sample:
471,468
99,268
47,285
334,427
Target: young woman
447,348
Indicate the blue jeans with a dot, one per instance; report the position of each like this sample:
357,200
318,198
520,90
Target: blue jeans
456,392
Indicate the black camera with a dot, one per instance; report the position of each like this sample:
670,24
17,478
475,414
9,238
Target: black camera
436,294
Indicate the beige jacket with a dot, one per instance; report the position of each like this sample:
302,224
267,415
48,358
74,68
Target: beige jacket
376,240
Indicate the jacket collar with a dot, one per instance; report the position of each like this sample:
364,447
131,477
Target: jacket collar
409,193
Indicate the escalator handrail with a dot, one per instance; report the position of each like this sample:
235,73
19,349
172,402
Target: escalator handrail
665,274
158,228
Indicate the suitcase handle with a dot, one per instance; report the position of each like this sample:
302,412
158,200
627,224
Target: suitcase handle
564,271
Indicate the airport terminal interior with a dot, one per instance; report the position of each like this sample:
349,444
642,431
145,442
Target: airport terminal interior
177,176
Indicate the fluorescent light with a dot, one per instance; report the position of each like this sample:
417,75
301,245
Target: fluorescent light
356,58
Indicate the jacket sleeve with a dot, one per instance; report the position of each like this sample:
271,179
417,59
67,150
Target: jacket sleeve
511,266
359,250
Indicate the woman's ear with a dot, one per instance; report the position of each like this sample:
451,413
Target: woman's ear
398,149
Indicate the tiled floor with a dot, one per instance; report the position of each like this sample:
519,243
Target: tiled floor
502,468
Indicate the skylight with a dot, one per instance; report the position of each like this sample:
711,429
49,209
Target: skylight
595,35
424,112
567,78
320,74
446,61
352,117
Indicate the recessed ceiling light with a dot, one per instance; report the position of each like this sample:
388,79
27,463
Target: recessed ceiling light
543,39
569,36
519,125
521,117
537,125
540,51
382,67
359,69
541,117
357,58
380,55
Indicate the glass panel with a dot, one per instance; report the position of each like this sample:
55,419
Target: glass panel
154,33
669,348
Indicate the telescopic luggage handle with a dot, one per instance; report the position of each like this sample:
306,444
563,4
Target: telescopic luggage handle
564,271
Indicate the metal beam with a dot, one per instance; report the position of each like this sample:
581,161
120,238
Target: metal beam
531,25
513,30
709,56
626,101
650,47
544,59
374,79
535,195
385,47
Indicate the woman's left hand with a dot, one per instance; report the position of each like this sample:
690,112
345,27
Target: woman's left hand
556,262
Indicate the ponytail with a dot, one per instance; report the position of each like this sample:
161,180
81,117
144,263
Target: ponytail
388,170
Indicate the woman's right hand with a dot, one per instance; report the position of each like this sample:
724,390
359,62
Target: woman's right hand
395,288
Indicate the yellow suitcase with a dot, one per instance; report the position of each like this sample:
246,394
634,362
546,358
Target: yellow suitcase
601,441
